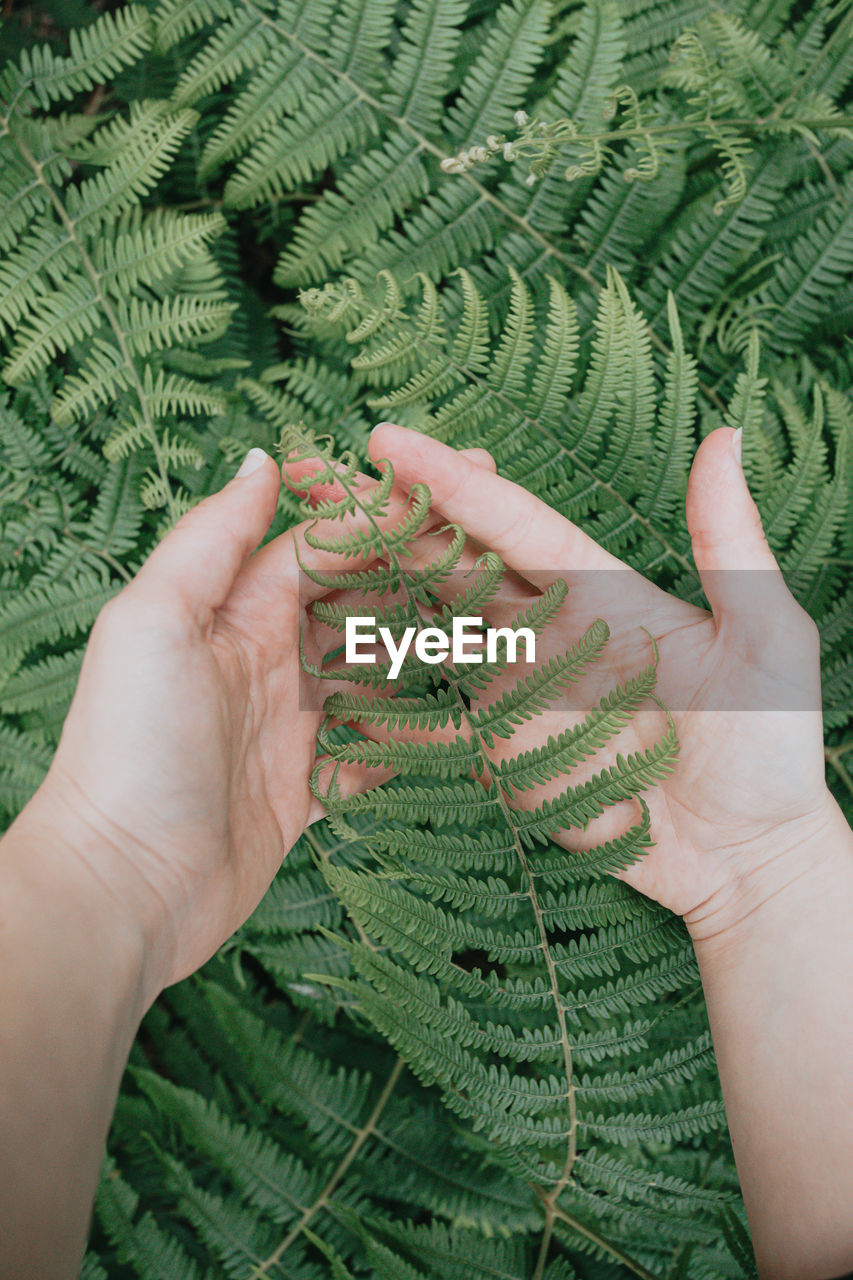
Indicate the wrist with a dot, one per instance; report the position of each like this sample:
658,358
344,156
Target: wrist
775,874
76,984
56,862
775,960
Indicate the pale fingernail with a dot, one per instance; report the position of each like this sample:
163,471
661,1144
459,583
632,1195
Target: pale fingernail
383,424
737,445
254,458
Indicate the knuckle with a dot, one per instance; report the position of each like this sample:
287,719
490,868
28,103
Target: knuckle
704,540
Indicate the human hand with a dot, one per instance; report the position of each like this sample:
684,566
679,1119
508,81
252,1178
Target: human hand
181,777
180,781
748,793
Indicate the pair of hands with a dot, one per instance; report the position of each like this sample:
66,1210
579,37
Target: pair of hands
181,779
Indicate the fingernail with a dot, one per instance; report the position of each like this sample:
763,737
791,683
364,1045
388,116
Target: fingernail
737,445
254,458
383,424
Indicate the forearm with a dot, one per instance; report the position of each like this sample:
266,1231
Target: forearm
777,985
74,990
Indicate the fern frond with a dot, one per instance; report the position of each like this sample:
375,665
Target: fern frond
432,898
821,260
101,283
571,465
139,1239
44,614
96,53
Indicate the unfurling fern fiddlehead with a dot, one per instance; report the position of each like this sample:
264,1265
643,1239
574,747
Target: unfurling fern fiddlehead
479,936
737,90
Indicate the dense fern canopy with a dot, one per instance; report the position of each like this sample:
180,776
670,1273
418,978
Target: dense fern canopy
582,234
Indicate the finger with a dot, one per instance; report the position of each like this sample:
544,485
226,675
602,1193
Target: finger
276,568
480,458
297,472
325,564
515,592
276,560
197,563
739,573
297,475
529,536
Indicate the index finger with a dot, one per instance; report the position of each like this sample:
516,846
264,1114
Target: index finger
291,560
277,562
527,534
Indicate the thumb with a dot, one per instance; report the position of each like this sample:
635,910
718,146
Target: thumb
739,573
198,561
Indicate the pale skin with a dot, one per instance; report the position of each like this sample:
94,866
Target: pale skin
182,780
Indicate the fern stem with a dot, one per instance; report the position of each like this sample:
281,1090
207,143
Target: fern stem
615,1252
361,1136
509,818
759,124
101,552
572,1149
325,855
112,319
545,1242
109,559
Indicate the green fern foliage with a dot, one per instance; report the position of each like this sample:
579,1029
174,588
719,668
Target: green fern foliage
220,217
86,275
727,74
